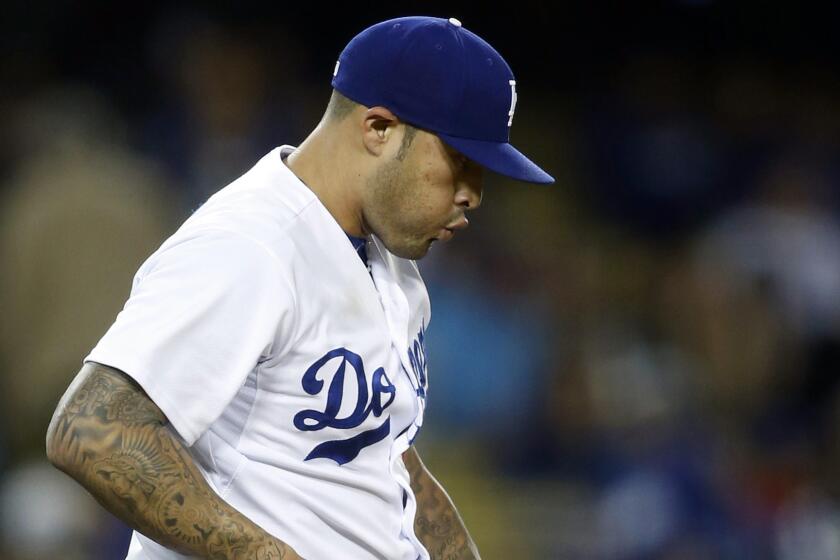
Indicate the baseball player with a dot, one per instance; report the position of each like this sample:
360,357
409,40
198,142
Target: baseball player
259,393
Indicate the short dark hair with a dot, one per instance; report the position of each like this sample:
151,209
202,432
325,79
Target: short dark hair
408,138
340,106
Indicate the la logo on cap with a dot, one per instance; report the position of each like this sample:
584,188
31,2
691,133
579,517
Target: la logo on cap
512,101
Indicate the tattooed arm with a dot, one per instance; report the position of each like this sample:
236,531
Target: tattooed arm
437,523
108,435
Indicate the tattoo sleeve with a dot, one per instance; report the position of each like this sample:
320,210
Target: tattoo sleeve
108,435
437,523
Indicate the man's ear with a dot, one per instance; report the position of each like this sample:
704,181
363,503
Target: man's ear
378,128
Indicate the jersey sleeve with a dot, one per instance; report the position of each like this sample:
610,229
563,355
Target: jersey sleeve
201,315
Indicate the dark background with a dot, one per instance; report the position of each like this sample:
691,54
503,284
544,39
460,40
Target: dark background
639,362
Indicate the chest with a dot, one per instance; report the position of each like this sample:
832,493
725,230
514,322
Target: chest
352,373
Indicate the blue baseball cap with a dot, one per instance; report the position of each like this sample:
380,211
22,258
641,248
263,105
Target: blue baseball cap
438,76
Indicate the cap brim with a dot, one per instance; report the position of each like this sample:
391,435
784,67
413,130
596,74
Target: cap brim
500,157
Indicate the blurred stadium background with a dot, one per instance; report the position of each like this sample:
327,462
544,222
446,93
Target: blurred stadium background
640,362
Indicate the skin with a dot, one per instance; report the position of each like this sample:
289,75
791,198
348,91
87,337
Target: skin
408,198
437,523
108,434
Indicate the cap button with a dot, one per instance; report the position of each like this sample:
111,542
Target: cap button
455,22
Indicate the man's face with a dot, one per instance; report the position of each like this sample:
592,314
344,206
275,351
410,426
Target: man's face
421,198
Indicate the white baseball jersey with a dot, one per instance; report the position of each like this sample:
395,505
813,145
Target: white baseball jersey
296,376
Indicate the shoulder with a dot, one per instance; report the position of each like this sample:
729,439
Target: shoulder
264,205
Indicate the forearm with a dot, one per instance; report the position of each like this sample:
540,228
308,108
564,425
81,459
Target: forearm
437,523
114,441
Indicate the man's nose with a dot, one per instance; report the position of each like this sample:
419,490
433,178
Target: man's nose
470,190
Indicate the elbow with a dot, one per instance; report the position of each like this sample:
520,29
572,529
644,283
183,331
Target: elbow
63,438
57,451
54,454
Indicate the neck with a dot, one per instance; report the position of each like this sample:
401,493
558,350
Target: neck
323,164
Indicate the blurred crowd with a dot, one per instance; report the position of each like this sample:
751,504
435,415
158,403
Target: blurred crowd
639,362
